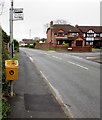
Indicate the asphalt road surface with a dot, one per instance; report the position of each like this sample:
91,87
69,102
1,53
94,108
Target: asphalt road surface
75,80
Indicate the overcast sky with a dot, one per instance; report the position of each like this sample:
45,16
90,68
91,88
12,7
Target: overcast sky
39,12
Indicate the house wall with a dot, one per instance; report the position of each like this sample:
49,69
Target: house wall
49,36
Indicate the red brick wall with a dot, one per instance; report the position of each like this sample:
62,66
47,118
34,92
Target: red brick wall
44,45
81,49
74,49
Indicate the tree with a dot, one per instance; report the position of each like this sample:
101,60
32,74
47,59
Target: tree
36,39
60,21
16,44
1,6
5,37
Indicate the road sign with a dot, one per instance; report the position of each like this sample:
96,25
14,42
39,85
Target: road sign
18,14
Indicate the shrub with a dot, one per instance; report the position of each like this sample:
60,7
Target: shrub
31,46
26,46
5,84
5,110
66,44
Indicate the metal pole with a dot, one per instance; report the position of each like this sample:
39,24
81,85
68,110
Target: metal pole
11,30
30,34
11,41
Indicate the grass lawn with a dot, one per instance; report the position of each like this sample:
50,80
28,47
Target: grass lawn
96,50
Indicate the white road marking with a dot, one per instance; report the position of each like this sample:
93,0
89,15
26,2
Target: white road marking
57,96
31,59
76,57
77,65
43,75
46,54
57,57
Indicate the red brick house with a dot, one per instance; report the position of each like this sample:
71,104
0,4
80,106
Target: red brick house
60,34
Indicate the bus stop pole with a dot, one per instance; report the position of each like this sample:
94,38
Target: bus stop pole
11,30
11,41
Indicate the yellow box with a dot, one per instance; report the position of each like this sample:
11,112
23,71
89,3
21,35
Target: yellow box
11,69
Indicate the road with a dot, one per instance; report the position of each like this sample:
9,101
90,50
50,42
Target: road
75,79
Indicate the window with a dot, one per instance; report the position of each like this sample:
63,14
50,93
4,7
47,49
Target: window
60,42
60,34
97,35
89,39
89,43
84,35
101,35
72,34
90,35
79,43
90,31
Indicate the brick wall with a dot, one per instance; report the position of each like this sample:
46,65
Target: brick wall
44,45
74,49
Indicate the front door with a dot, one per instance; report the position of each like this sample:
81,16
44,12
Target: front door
79,43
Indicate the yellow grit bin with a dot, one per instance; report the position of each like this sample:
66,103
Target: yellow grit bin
11,69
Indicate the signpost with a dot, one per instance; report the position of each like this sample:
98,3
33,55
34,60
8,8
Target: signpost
15,14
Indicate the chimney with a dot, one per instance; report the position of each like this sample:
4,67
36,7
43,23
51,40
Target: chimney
76,26
51,23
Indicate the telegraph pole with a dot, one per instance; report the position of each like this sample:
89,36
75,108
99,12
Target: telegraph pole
11,30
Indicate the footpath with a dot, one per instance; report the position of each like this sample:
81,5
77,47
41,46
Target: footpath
33,98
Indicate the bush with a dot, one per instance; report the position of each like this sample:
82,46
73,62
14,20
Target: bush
5,84
66,44
5,110
26,46
16,49
31,46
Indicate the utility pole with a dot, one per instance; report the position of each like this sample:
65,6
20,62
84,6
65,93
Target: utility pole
30,34
11,30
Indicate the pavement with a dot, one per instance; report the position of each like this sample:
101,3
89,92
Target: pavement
33,98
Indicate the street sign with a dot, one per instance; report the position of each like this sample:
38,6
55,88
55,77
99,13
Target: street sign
18,14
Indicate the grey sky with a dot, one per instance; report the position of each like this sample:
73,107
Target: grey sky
39,12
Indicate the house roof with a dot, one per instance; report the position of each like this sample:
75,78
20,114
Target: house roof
96,29
65,27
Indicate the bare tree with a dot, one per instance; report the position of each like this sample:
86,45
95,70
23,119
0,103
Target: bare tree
36,39
1,6
47,25
60,21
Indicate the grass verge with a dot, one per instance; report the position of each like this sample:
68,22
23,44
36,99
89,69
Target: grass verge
96,50
16,57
